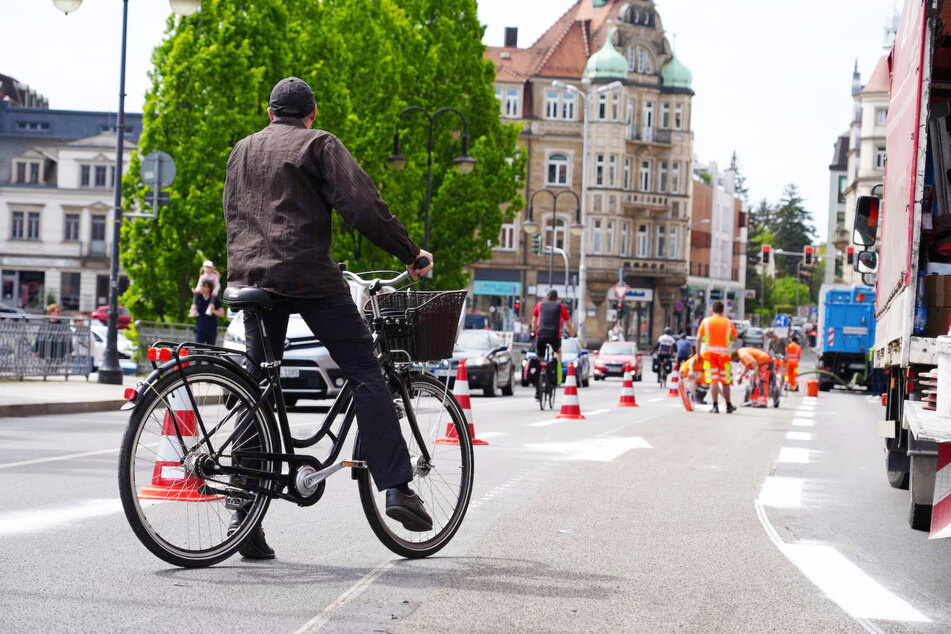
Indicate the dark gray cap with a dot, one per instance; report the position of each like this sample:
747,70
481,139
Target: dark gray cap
292,97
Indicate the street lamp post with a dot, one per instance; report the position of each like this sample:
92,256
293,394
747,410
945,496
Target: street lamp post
110,371
581,311
531,227
464,162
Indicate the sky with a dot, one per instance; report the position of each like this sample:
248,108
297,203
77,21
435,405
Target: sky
772,77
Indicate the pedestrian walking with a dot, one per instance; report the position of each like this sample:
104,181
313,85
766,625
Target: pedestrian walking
206,309
714,336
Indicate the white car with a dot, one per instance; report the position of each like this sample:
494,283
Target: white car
307,371
97,334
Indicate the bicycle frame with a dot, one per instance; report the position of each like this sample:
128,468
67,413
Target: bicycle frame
271,393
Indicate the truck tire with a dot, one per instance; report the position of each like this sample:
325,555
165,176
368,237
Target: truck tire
897,479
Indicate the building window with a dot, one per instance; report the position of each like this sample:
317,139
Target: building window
597,202
511,103
881,114
551,105
559,105
678,116
612,170
609,238
672,243
675,177
16,225
648,114
85,171
615,107
97,235
559,233
21,173
34,173
557,169
625,238
100,173
603,106
568,107
643,241
629,117
599,169
639,60
498,95
33,125
27,172
843,185
69,290
645,176
660,241
32,225
627,172
596,236
71,228
507,237
880,158
662,176
665,115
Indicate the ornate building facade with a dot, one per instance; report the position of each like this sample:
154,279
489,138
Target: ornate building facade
639,184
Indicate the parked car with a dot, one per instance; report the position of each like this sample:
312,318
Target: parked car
755,337
97,347
571,352
489,362
611,359
10,312
102,314
742,325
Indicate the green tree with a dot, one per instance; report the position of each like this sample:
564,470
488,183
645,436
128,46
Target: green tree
211,78
783,291
791,228
740,186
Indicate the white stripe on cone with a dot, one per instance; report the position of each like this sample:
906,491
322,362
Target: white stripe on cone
570,407
672,380
627,389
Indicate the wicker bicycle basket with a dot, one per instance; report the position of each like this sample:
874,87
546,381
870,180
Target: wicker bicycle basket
421,324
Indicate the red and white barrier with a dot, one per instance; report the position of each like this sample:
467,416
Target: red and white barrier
169,482
673,379
941,511
685,395
570,406
627,389
461,391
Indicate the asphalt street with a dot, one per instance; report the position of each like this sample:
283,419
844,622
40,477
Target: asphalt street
635,519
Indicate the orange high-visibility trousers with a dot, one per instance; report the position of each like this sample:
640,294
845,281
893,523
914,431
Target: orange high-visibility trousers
792,374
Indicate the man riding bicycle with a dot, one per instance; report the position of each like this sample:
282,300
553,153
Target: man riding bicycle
280,188
664,351
549,318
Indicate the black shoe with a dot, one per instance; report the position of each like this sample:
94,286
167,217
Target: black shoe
729,408
255,547
408,510
715,409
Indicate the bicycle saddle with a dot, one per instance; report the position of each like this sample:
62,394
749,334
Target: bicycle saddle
247,297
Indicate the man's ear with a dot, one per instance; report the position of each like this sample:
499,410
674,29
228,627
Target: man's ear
270,114
311,118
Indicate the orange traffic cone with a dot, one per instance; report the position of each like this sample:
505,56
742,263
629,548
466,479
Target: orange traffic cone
461,391
684,395
672,382
570,407
169,482
627,389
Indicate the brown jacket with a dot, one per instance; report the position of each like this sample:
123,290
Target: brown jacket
281,186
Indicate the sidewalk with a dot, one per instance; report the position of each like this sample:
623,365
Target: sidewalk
36,397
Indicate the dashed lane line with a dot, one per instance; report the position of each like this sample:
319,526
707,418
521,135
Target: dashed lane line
354,591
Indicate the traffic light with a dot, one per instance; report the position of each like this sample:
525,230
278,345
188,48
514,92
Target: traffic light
518,304
537,244
849,255
766,249
807,256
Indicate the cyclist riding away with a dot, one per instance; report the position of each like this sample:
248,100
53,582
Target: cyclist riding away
663,354
793,354
683,348
548,320
280,188
760,366
714,336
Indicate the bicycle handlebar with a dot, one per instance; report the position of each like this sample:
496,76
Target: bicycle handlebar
418,265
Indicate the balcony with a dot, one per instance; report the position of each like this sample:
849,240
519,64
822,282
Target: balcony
647,134
648,267
645,200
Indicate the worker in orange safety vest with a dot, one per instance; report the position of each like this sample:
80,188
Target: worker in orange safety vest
714,337
793,354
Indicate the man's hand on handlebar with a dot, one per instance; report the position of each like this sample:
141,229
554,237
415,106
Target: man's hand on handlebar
422,265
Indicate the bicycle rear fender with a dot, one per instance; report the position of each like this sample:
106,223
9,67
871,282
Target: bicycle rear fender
172,366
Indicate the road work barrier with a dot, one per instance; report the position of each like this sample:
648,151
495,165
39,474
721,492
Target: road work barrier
627,389
672,381
570,406
43,346
461,391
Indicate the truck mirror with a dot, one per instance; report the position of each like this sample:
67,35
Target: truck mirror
868,279
866,220
867,262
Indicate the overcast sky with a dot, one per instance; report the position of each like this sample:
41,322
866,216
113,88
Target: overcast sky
772,77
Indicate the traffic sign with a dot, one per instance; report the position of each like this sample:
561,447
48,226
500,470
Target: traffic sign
781,321
620,290
158,170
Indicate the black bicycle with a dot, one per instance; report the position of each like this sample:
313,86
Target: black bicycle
203,439
547,378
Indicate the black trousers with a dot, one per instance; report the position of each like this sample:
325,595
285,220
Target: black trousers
336,322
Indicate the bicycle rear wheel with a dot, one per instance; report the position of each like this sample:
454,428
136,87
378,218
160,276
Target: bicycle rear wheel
541,391
445,485
178,513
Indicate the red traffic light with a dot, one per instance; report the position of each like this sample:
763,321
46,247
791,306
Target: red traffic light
766,249
850,255
807,256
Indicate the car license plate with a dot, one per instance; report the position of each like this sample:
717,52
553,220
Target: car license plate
290,373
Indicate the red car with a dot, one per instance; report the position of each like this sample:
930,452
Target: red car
102,314
611,359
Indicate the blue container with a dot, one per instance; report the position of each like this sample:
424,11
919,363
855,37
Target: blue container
849,320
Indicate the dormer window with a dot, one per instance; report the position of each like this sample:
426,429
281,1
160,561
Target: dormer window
97,176
27,172
639,60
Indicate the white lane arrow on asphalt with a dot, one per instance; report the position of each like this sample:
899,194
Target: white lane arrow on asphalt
595,449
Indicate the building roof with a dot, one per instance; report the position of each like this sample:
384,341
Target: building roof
879,81
607,62
840,156
675,74
105,140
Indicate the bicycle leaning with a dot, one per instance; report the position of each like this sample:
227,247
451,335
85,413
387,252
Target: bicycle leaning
207,435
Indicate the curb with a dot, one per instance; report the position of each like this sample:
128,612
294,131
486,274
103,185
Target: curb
52,409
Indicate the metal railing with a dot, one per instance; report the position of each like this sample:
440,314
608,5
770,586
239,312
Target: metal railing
151,331
41,346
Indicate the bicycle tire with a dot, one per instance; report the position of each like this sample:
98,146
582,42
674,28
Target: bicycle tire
542,389
383,527
240,390
551,391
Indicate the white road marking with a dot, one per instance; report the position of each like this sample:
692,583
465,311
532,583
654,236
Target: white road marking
595,449
656,400
842,581
36,520
598,412
796,455
806,413
361,586
490,434
802,422
783,493
546,423
798,435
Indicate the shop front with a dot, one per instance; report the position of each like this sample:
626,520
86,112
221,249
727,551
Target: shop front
636,314
24,289
495,293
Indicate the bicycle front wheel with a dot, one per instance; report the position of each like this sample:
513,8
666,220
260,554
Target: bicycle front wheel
445,484
179,514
